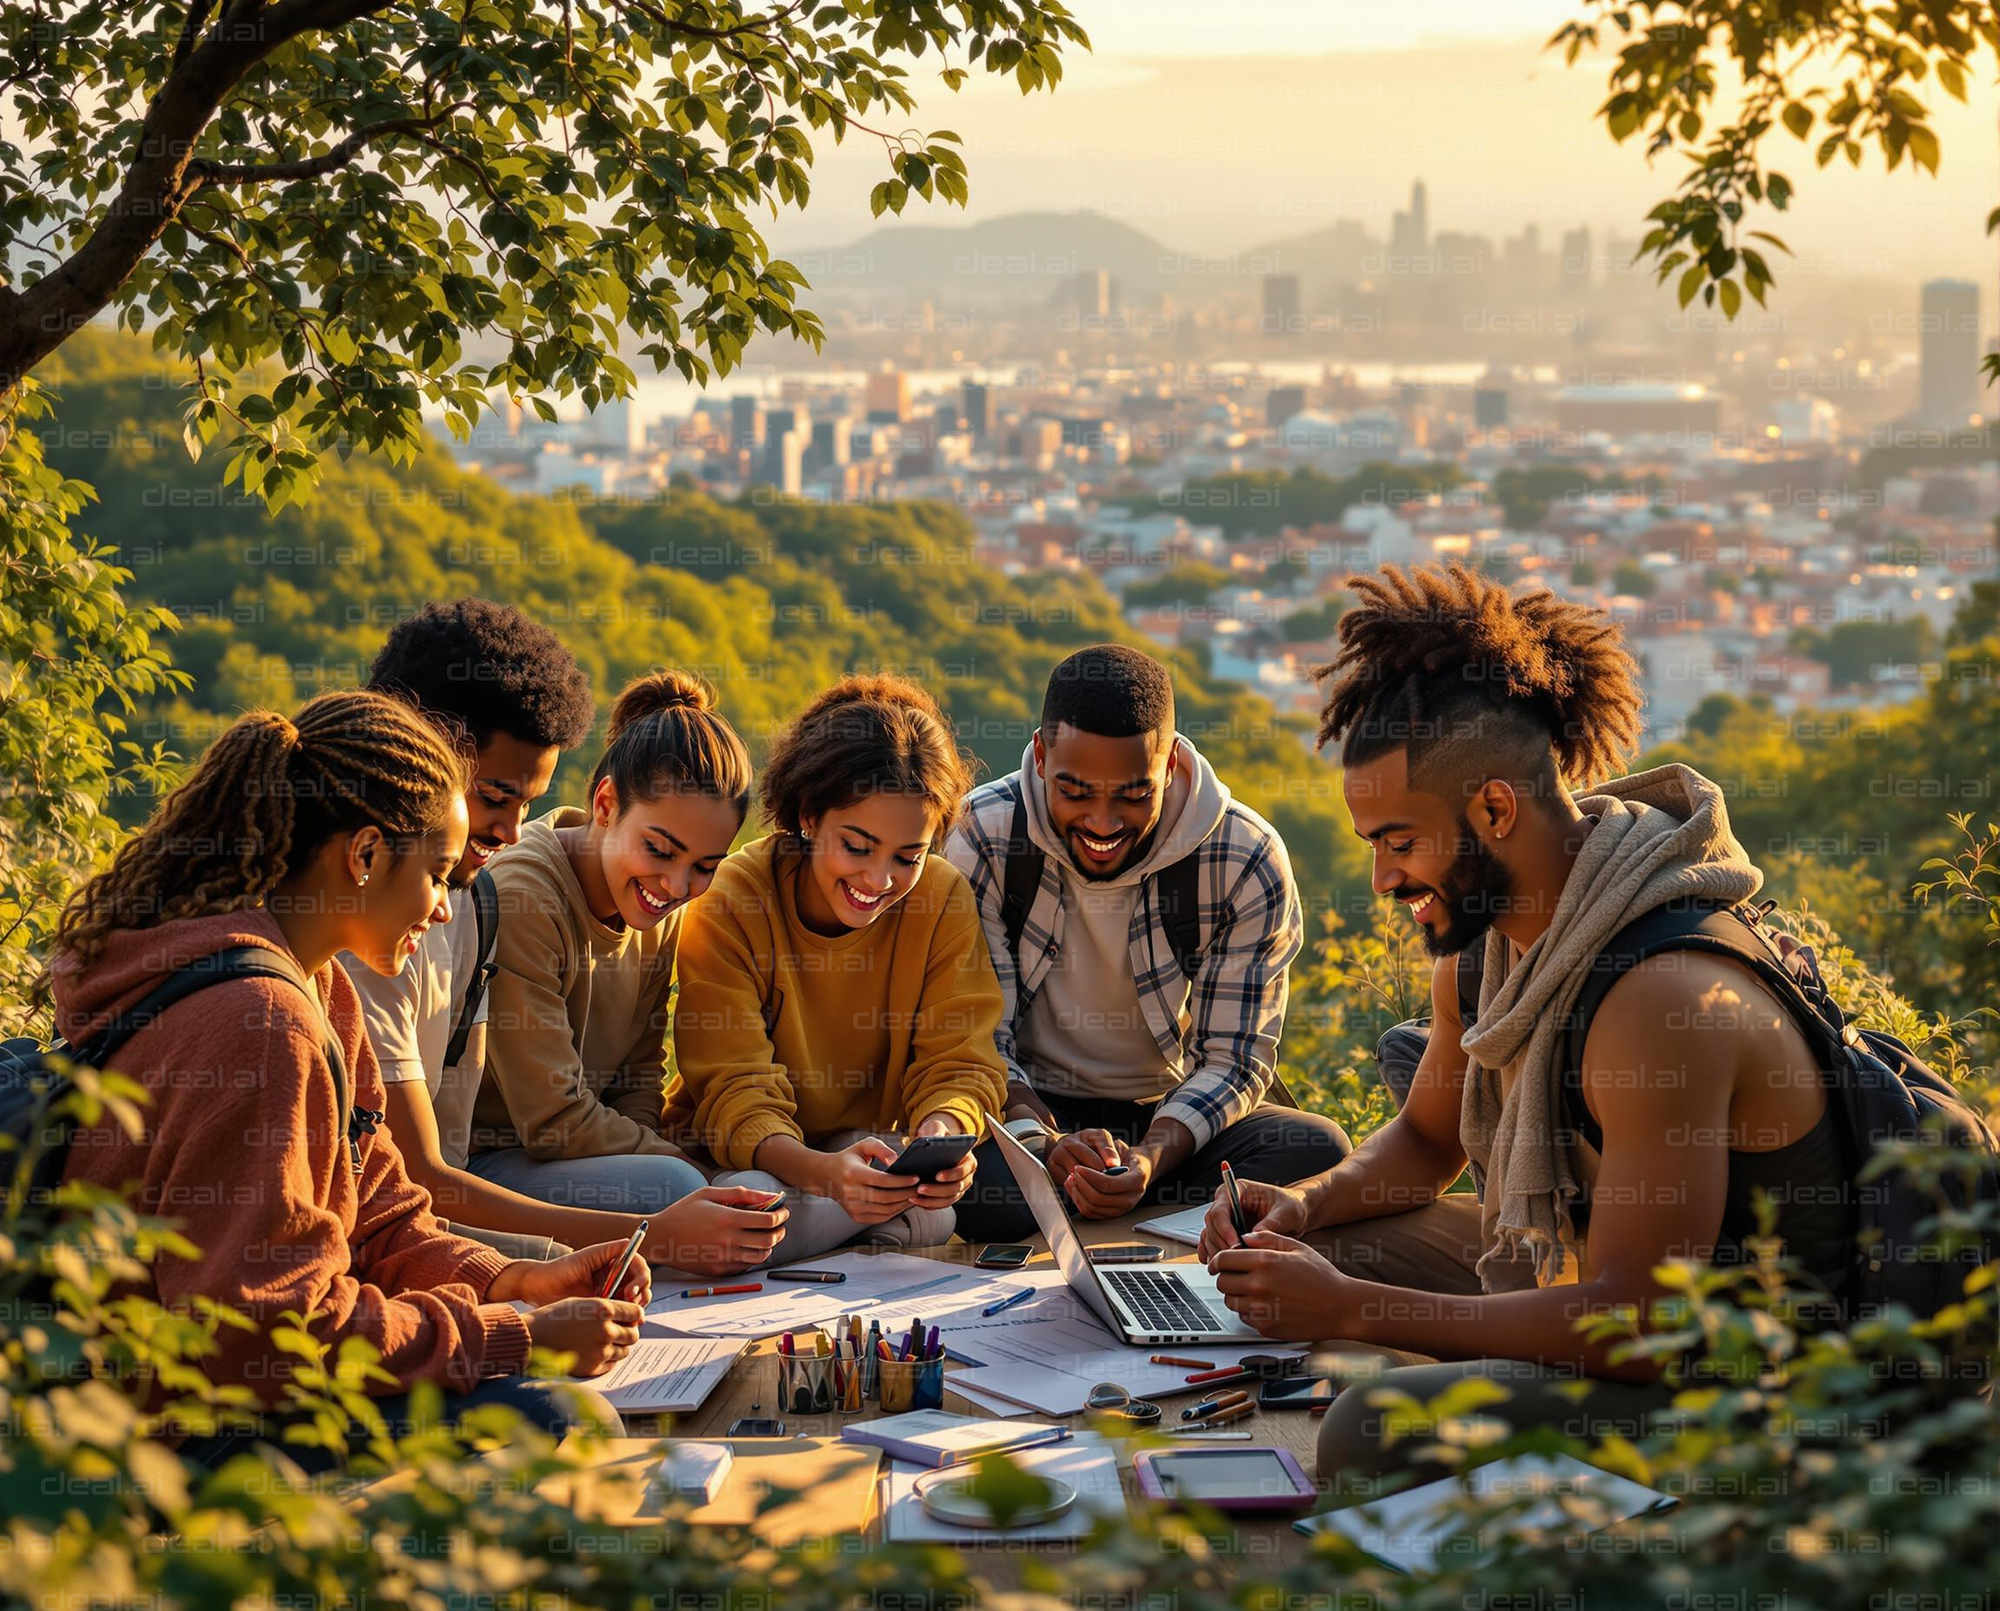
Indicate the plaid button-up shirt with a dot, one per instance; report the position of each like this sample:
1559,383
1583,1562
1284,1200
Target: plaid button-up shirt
1219,1034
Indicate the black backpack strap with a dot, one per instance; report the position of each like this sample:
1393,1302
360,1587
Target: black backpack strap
1735,932
486,912
1177,890
1021,879
1471,980
238,962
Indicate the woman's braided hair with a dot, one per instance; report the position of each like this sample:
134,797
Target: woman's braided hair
262,798
1464,673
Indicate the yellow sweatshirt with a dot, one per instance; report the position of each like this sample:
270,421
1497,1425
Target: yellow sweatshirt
577,1022
781,1031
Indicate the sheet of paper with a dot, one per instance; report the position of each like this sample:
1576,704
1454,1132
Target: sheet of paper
1052,1365
1086,1462
992,1403
1413,1529
667,1374
894,1283
1184,1227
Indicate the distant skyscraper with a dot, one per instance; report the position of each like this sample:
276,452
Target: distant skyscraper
1949,326
1489,406
1574,276
746,422
888,397
976,405
1282,403
832,442
1091,292
1410,232
1281,303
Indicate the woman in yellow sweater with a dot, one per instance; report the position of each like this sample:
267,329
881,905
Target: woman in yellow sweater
835,989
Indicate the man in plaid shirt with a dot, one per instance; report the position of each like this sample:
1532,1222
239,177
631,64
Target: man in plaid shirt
1142,974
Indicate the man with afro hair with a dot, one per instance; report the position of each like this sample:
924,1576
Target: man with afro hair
1479,732
505,688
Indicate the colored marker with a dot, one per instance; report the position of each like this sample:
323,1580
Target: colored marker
826,1278
1008,1302
721,1292
1186,1364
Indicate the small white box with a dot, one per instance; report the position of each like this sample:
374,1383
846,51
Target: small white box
695,1471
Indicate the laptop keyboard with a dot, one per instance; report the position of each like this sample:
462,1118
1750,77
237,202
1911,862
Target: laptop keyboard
1160,1300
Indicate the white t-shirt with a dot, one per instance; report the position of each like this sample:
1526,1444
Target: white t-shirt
410,1019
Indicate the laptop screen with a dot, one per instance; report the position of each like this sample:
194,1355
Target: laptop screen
1053,1218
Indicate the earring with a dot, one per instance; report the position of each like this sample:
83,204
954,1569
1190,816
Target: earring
362,880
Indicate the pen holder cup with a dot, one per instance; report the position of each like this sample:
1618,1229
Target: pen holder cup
912,1384
808,1381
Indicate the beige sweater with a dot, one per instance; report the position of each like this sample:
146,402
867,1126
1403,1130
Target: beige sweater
576,1029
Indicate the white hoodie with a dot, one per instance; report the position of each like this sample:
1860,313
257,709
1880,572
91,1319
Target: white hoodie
1084,1033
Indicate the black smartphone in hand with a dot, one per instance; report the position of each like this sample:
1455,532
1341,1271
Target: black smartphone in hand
927,1157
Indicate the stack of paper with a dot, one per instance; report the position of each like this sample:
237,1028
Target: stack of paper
1418,1530
937,1438
1086,1462
666,1375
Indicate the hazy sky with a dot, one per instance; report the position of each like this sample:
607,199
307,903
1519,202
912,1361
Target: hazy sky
1215,126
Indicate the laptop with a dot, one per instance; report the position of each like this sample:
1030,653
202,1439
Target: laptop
1143,1303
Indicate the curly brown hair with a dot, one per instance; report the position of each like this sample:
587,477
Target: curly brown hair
1476,682
865,735
262,798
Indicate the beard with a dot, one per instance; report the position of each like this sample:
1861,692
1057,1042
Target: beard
1472,893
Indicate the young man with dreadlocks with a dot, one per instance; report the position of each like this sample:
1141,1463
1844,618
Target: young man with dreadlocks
1466,717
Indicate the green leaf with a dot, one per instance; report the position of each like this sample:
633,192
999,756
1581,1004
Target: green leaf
1798,118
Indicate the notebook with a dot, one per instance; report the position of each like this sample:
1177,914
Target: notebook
939,1438
1184,1226
1421,1529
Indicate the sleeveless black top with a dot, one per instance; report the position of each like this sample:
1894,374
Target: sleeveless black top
1809,1180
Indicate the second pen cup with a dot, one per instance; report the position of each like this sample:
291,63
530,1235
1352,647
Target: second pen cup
912,1384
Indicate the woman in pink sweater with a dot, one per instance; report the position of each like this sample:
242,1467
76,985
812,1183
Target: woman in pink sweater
299,839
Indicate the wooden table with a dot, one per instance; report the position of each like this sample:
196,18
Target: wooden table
752,1389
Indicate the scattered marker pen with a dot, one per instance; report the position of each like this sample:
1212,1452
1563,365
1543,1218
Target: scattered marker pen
720,1292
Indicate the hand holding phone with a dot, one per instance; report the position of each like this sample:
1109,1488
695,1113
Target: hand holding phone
928,1157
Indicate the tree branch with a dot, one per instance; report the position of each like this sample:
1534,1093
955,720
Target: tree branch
203,171
191,26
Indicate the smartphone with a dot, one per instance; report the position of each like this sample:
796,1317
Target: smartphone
927,1157
777,1202
1297,1392
1125,1253
1004,1255
756,1426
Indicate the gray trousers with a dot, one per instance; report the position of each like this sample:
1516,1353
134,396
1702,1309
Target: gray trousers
1434,1249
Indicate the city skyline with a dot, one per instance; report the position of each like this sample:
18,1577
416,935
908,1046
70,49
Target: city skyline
1201,140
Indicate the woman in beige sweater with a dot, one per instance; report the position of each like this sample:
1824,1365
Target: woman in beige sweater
573,1106
836,992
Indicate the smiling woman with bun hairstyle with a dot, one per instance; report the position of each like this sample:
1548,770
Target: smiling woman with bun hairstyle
573,1106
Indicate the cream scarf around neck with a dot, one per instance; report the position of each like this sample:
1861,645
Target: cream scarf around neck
1661,835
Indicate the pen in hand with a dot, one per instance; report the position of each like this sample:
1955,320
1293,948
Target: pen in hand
625,1260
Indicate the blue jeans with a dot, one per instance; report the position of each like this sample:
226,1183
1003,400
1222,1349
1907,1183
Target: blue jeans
623,1182
555,1407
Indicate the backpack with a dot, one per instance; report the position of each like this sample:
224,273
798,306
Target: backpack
486,912
1174,889
31,1084
1881,1094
